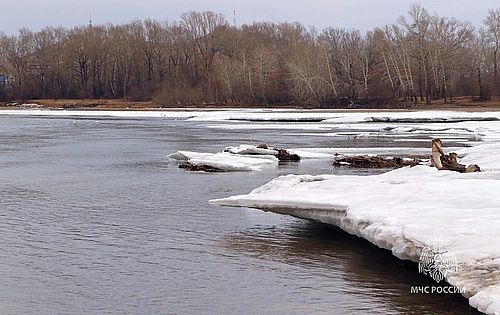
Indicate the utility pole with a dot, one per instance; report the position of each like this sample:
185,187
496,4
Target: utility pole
234,18
90,20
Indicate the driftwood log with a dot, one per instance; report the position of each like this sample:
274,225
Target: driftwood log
366,161
449,162
283,155
199,168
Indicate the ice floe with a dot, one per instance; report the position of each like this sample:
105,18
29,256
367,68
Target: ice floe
239,158
405,210
225,161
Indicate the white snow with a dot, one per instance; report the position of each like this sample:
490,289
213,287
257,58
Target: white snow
225,161
30,105
405,210
246,149
290,116
271,126
485,155
421,116
385,151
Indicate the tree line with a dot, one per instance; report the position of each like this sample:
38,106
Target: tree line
201,58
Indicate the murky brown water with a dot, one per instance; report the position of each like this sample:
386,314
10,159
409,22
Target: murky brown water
94,219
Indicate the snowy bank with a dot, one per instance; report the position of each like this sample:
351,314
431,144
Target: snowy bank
406,210
101,113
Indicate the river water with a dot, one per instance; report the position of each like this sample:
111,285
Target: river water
95,219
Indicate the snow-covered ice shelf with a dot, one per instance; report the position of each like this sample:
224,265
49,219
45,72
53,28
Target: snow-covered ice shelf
404,211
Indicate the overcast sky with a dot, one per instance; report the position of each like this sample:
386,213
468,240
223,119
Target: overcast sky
359,14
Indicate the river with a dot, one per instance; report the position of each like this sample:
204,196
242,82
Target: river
95,219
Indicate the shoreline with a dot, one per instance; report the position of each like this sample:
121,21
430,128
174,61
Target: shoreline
263,109
458,104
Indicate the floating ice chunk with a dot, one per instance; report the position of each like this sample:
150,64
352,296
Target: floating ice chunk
225,161
402,129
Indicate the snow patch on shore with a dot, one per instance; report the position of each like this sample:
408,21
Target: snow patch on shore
102,113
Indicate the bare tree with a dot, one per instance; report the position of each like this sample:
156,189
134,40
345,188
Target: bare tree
202,59
492,36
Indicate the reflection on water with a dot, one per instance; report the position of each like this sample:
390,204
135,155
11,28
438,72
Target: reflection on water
329,252
94,219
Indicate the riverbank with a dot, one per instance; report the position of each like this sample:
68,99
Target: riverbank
121,104
458,103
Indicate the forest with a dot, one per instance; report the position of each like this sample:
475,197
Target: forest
201,58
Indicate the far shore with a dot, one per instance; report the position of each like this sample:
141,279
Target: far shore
458,104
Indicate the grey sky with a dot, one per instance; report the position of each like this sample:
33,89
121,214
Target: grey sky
360,14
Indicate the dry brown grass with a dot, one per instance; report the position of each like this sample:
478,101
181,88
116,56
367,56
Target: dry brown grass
463,103
458,103
92,103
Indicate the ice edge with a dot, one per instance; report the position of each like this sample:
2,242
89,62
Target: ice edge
479,284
